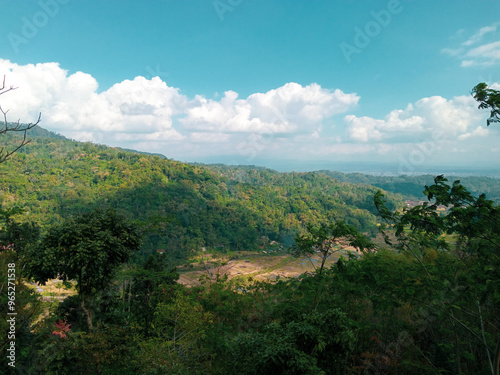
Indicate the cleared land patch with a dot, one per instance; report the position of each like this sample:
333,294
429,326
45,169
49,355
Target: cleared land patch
250,266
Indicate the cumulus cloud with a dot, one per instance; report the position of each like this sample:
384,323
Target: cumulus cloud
288,109
478,132
291,121
396,123
71,105
451,118
149,115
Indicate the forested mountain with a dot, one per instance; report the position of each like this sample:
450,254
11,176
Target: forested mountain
414,185
179,207
409,186
427,303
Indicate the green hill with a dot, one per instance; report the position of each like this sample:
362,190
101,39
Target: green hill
414,185
179,207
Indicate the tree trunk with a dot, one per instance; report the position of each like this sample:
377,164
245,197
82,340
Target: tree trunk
497,359
457,349
88,313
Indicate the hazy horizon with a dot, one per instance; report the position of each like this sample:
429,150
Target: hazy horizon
286,85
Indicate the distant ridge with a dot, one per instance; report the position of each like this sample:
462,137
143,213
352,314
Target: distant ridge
40,132
161,156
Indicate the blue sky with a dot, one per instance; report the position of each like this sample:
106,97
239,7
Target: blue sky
285,84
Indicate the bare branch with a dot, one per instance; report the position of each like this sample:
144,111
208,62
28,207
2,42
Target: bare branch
3,90
16,127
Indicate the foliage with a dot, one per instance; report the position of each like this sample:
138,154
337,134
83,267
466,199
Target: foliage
310,345
178,207
488,98
144,287
430,307
88,249
470,295
328,239
426,304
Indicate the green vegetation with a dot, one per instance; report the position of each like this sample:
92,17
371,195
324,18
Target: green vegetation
413,186
426,302
87,249
422,305
177,207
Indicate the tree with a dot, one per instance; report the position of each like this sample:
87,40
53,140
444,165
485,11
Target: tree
474,225
16,127
15,295
314,343
329,239
145,289
488,98
14,235
88,249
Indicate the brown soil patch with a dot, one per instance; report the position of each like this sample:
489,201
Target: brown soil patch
253,266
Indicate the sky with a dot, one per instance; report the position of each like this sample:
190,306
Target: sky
363,85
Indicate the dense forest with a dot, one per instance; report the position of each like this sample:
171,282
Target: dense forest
413,185
179,207
426,301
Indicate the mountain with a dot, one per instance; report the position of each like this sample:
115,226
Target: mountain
179,207
414,185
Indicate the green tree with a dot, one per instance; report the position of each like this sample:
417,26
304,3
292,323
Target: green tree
145,289
179,346
15,295
470,300
314,343
88,249
488,99
329,239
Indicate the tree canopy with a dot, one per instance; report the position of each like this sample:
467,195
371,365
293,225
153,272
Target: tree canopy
88,249
488,99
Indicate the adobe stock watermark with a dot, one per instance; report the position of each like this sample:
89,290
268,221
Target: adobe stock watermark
255,144
363,37
258,142
421,152
223,6
11,314
31,25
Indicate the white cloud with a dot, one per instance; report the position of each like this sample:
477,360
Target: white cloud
364,129
290,122
478,36
71,105
396,123
478,132
489,52
480,49
288,109
209,137
450,117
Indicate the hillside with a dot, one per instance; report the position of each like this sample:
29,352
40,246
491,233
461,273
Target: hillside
237,312
414,185
179,207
